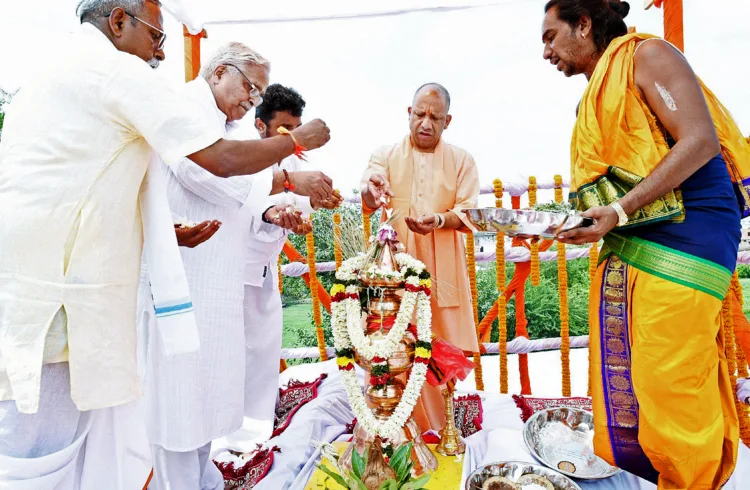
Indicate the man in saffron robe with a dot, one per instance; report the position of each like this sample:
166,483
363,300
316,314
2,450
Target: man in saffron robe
662,168
430,182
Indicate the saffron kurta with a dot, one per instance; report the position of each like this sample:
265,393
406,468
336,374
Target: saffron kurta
426,183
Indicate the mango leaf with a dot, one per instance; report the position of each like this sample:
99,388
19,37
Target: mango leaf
355,483
339,479
417,484
358,464
407,473
389,485
400,460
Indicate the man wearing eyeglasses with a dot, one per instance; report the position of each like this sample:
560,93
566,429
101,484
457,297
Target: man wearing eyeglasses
194,399
76,146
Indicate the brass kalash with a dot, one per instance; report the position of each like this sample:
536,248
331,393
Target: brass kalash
383,298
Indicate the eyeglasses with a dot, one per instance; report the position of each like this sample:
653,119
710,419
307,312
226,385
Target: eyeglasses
160,39
255,96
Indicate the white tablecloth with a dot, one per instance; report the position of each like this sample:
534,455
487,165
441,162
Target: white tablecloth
501,439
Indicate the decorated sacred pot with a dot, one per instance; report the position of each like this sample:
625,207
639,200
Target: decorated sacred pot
384,292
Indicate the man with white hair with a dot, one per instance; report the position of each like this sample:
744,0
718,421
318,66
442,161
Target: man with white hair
198,397
76,145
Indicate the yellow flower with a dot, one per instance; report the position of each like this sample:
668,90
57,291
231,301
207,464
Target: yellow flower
422,352
344,361
337,288
426,283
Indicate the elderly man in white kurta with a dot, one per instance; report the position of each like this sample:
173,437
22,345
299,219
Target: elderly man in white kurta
76,144
198,397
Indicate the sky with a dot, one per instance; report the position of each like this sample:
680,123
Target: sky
511,109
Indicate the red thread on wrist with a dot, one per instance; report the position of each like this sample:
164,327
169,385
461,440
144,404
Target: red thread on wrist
288,186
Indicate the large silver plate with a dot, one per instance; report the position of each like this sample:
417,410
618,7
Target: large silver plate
523,221
513,470
563,439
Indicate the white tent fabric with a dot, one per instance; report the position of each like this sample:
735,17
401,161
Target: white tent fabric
196,14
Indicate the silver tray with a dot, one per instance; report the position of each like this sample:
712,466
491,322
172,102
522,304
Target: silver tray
513,470
563,439
525,222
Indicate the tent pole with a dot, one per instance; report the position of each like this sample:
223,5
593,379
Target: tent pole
192,53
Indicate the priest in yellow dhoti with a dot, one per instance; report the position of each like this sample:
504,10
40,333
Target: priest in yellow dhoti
429,182
662,168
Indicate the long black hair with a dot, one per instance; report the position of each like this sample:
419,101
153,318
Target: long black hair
606,17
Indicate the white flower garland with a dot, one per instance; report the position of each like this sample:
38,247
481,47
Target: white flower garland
348,333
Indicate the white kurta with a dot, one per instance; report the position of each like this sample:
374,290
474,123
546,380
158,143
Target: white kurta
263,318
76,145
194,398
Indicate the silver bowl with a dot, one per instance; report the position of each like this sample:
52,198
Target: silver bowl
563,439
513,470
525,222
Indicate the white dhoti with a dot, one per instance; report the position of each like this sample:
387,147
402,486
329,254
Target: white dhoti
191,470
62,448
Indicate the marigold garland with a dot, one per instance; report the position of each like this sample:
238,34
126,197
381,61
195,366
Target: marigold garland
535,274
472,267
736,289
282,366
502,317
317,318
728,326
281,277
562,286
337,254
593,260
742,371
366,228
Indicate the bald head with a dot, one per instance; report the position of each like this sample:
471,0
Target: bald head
428,116
435,88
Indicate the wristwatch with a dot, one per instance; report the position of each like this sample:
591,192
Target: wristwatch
623,216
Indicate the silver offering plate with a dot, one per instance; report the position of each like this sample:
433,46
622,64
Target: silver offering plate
563,439
525,222
513,470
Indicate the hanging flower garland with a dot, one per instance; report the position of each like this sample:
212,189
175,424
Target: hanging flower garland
337,254
728,321
502,316
348,335
366,227
471,263
535,274
736,289
593,260
562,286
317,318
281,277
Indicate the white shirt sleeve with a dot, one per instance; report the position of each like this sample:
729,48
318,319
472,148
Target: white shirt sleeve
147,107
231,192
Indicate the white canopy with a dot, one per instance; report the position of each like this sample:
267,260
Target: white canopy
196,14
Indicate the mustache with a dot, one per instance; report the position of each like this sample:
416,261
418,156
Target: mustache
153,63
